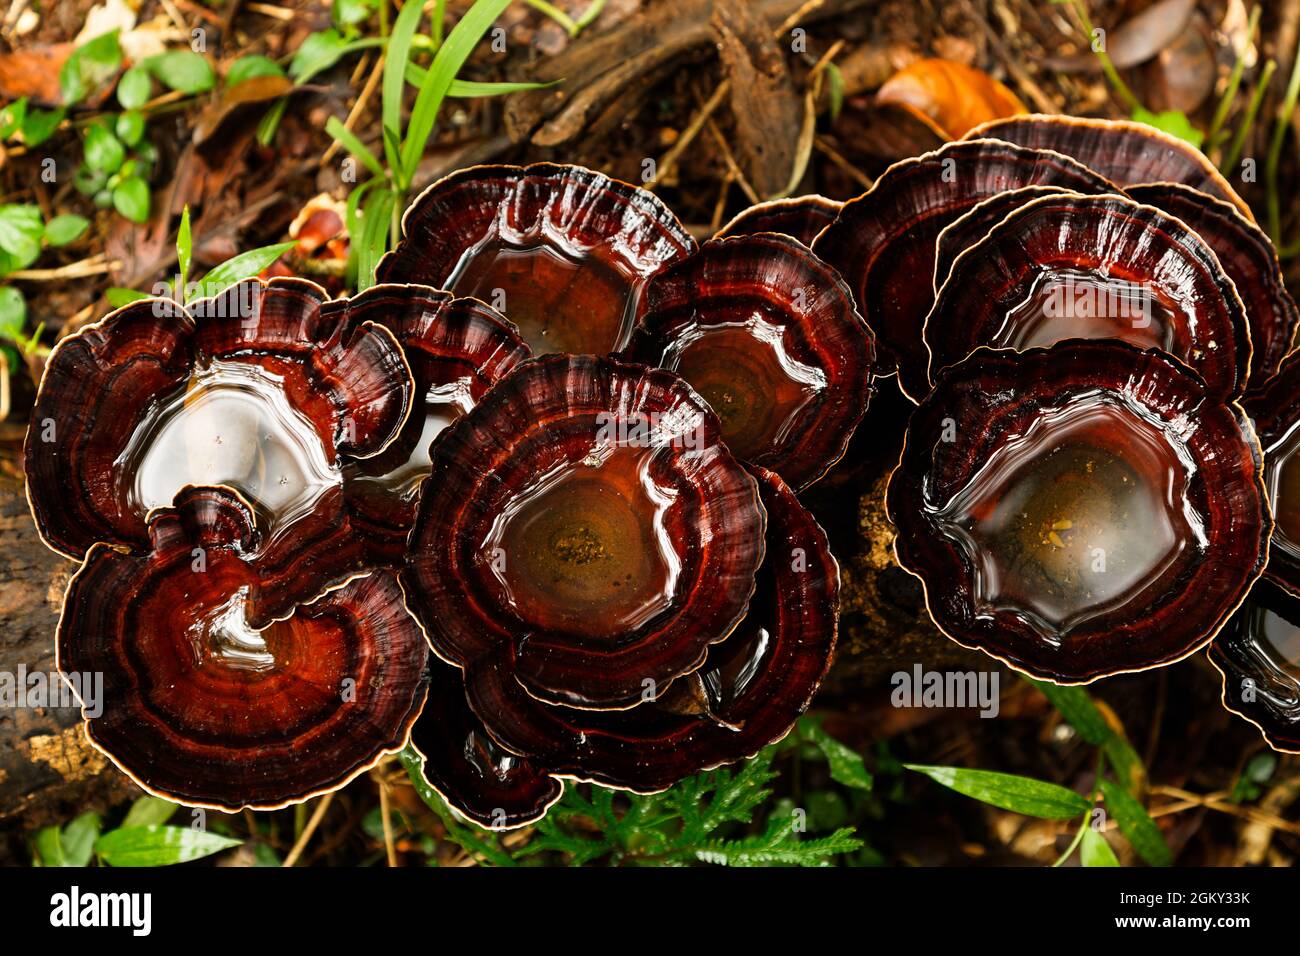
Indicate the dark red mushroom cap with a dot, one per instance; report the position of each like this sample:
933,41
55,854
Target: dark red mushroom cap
563,251
768,335
802,218
251,389
974,225
1249,259
202,708
587,516
1125,152
457,349
883,242
1079,511
1275,410
489,785
1258,654
749,693
1073,266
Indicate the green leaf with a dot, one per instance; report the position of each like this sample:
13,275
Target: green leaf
182,70
62,230
40,125
159,845
846,763
779,849
12,116
1136,825
250,68
1095,851
395,63
1173,122
131,199
243,266
118,297
1257,772
79,839
1078,709
89,67
374,236
21,230
353,145
348,13
446,64
149,811
49,847
104,151
1035,798
13,312
130,127
134,87
835,89
322,50
184,245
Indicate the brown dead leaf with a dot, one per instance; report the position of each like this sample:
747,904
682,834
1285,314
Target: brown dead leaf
258,89
33,73
1134,41
956,98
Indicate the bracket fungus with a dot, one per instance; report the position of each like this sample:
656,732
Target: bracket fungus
769,336
1082,510
202,707
883,242
802,218
587,517
1071,266
457,349
256,389
561,250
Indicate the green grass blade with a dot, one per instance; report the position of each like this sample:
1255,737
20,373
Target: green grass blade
1035,798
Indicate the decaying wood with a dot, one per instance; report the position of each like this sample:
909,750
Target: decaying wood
48,771
598,68
763,99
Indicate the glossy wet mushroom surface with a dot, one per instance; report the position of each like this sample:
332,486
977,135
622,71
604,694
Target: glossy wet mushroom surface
769,336
457,349
587,520
883,242
802,218
254,389
202,707
562,251
1080,511
1072,266
1258,655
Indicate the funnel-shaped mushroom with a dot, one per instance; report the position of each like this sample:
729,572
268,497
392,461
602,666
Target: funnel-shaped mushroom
1258,654
489,785
561,250
749,693
1275,410
1125,152
1080,511
768,335
1072,266
254,389
457,349
204,708
802,218
1249,259
883,242
587,518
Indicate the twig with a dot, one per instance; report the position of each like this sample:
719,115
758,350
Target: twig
730,160
831,153
312,824
669,159
353,114
95,265
389,848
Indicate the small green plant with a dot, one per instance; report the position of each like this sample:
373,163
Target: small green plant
222,277
23,234
143,838
1113,795
706,818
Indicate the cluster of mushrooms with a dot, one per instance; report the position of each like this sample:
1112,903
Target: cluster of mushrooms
561,446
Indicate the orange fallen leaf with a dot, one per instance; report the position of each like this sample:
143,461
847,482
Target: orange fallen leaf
956,97
33,73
